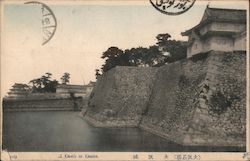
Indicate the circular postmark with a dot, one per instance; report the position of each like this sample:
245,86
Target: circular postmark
49,22
172,7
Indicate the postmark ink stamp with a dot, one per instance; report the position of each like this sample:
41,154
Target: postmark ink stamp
172,7
49,22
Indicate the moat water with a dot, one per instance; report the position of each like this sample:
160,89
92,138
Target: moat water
65,131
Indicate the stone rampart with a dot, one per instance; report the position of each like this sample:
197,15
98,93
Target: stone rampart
197,101
121,96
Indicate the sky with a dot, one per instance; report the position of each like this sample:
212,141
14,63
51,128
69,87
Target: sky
84,31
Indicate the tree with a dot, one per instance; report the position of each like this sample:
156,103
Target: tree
162,41
36,85
112,52
97,73
44,84
45,80
65,78
165,51
51,86
140,56
112,58
143,56
176,50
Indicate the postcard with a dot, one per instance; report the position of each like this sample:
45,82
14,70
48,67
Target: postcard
125,80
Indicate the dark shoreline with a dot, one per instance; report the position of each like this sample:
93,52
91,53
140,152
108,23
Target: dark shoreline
187,148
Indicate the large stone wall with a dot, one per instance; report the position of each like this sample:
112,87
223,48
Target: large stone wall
120,96
198,101
172,104
204,103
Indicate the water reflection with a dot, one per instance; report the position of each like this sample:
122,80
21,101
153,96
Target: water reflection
67,131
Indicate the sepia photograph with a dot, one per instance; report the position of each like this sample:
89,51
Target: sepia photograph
139,76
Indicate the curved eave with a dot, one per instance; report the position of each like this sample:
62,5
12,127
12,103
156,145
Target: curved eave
218,33
210,20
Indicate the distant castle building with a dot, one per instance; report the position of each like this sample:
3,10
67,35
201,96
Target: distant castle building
219,30
65,89
23,91
76,90
18,91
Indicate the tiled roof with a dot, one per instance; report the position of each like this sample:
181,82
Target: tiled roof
220,15
224,14
20,85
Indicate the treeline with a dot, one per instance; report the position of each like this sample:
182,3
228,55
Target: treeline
45,83
164,51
